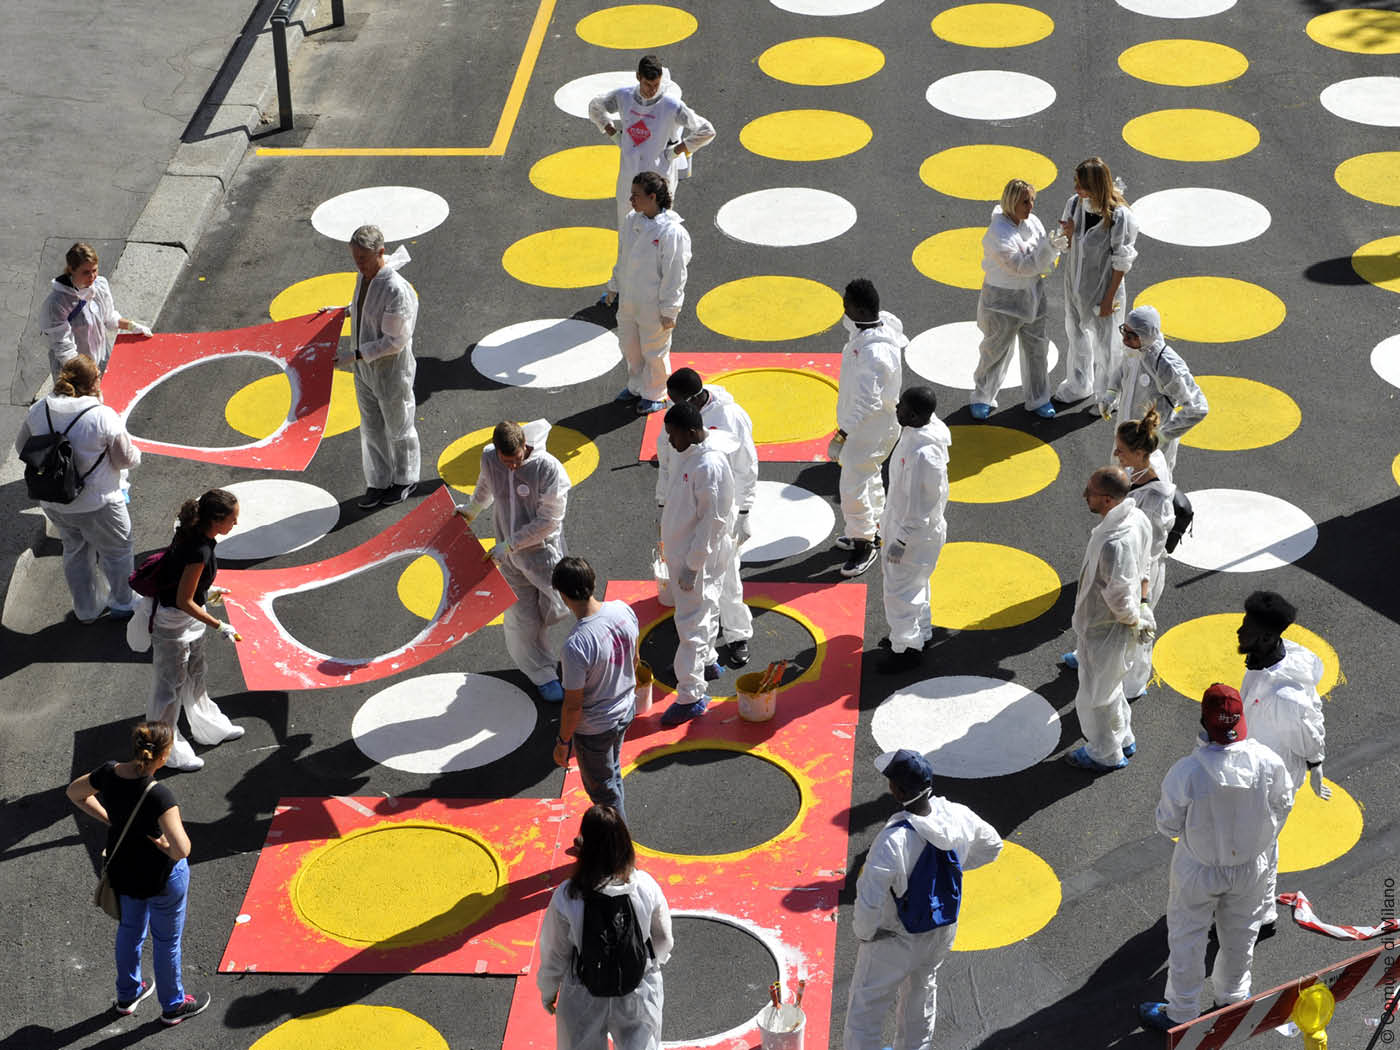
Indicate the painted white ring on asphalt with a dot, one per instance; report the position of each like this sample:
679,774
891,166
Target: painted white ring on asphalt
1198,217
1236,530
947,354
825,8
277,516
968,726
547,353
786,216
1365,100
400,212
442,723
1177,8
1385,359
990,94
785,520
573,97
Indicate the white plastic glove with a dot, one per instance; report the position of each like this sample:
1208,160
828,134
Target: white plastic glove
1320,789
499,552
1059,241
226,629
687,580
742,529
833,450
469,511
139,329
328,309
1107,405
215,595
1146,627
345,358
895,552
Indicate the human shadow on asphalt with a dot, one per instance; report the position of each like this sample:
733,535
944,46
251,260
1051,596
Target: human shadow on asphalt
31,814
1357,554
37,1037
1067,420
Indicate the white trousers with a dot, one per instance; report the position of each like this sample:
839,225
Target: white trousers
1000,332
389,449
537,608
861,487
179,684
1233,898
735,619
696,612
907,592
900,970
1104,716
646,347
1092,352
97,557
1140,655
584,1022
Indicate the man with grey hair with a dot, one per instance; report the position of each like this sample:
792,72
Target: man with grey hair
382,315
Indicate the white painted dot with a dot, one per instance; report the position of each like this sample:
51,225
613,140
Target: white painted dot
1200,218
1236,530
553,352
441,723
1366,100
825,8
1177,8
1385,359
785,520
786,216
948,354
968,726
244,918
573,97
990,94
400,212
276,516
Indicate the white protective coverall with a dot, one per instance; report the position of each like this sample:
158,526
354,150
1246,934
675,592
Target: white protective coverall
583,1021
77,321
529,515
1284,713
697,528
648,131
1156,375
95,529
722,412
1105,619
1154,499
913,517
649,279
1015,260
382,335
1224,804
894,966
871,375
1093,350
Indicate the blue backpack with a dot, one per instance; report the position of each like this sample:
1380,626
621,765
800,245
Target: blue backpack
934,892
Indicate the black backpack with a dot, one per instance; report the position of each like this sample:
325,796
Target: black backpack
1181,506
614,954
50,472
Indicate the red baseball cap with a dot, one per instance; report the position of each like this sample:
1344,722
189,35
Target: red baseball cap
1222,714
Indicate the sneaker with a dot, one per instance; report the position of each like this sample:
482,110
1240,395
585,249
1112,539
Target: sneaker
1070,660
1080,759
899,663
194,765
713,671
371,498
127,1007
551,692
646,407
1154,1015
1045,411
397,494
979,410
625,394
845,543
680,711
193,1004
738,654
862,557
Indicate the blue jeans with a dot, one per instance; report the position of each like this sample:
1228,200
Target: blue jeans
164,914
599,765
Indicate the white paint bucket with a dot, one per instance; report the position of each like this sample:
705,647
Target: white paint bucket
781,1027
643,689
663,580
755,706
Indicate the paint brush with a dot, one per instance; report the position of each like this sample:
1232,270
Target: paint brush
801,989
775,992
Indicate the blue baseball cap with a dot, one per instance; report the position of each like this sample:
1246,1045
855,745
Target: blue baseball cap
907,770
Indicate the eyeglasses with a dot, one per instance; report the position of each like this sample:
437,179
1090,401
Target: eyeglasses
1125,331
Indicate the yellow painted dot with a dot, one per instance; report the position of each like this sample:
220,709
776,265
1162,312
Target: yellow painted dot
308,296
805,134
1194,655
569,257
636,27
1395,469
1318,832
1243,415
785,404
980,173
769,308
1372,177
420,586
259,408
1213,309
1360,31
821,61
985,921
353,1027
1183,63
991,464
1379,263
1190,135
986,586
993,25
584,173
952,257
394,885
460,462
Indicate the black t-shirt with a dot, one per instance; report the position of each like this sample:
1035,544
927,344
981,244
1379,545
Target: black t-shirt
139,868
196,551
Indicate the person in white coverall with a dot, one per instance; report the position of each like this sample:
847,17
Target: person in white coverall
530,491
697,524
1013,307
648,285
871,375
1102,234
913,525
382,315
1282,703
1224,804
1111,615
1152,375
655,130
895,967
79,312
719,411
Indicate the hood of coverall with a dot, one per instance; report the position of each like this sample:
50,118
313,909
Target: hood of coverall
537,432
1147,323
889,330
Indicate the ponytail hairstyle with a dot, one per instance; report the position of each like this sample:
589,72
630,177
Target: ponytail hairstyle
653,185
1097,180
1140,435
77,378
150,741
606,851
80,253
197,514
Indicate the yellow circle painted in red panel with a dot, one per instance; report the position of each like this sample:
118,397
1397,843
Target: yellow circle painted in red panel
984,920
785,404
636,27
356,1026
420,586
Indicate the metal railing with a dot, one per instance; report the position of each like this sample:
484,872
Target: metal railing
281,16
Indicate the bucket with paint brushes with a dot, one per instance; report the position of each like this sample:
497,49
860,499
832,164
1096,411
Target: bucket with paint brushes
781,1025
758,692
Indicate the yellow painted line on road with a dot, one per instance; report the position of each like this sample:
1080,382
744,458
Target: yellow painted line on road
509,113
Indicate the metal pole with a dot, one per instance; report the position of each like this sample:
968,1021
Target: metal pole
337,12
284,74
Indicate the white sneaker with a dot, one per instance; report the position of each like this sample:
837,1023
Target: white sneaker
191,765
